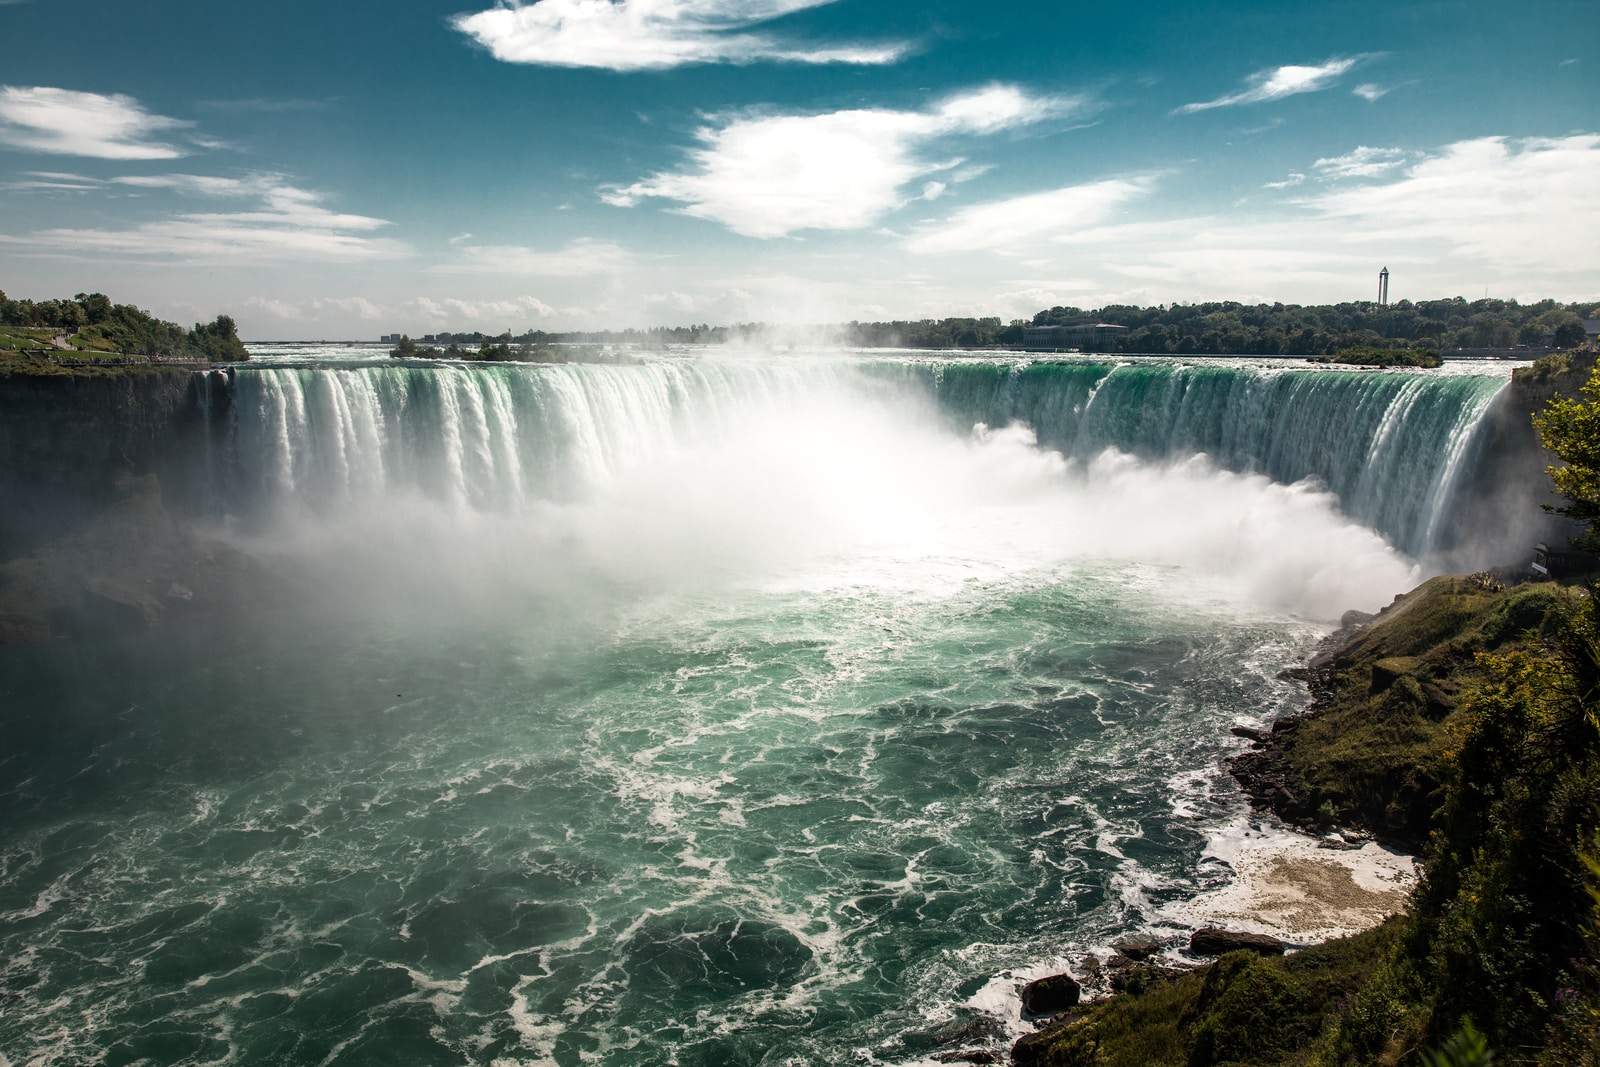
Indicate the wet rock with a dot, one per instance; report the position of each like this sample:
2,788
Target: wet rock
1211,941
1250,733
982,1028
975,1055
1137,948
1046,996
22,630
115,606
1030,1048
179,591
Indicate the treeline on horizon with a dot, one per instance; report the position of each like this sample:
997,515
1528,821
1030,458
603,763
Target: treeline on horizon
1265,329
96,324
1223,327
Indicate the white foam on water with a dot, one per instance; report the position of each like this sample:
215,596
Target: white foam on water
1285,885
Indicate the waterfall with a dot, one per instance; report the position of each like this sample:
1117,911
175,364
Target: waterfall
1392,447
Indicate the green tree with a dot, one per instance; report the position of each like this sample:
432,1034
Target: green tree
1571,429
1569,335
218,340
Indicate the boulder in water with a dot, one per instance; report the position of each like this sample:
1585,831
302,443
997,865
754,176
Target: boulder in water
1046,996
1137,947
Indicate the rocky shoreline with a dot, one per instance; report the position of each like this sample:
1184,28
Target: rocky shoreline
1266,773
1361,768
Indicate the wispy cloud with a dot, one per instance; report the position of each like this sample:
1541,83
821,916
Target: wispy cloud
1363,162
449,309
1521,202
1520,213
51,181
66,122
1276,83
582,258
1025,220
628,35
774,175
284,223
267,105
1371,92
1294,179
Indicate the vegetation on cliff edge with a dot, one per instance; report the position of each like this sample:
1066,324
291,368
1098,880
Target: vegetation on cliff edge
1570,428
93,325
1502,935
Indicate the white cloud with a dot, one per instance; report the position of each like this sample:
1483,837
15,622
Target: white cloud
578,259
49,180
449,309
1521,216
282,309
319,307
65,122
287,223
1363,162
1279,82
359,306
627,35
1530,202
1025,220
1369,92
1294,178
770,176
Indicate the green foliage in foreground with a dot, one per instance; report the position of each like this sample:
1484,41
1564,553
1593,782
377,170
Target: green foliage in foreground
1243,1009
1396,699
1498,957
1570,428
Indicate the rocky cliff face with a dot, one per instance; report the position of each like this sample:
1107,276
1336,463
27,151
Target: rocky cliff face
1500,514
66,440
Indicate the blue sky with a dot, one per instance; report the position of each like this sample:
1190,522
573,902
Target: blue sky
349,167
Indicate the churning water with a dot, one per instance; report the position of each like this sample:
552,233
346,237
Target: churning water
699,711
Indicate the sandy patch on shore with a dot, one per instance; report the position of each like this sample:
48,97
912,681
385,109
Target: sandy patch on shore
1284,884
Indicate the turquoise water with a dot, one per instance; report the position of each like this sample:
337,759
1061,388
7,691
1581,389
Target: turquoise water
681,714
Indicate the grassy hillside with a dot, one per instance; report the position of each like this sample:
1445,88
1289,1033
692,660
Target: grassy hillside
1476,711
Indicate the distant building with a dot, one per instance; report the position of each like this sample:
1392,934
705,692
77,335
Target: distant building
1591,329
1383,286
1084,336
390,339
